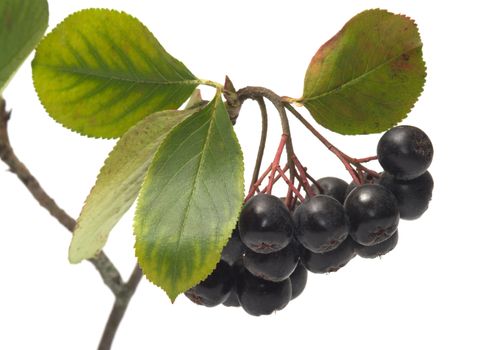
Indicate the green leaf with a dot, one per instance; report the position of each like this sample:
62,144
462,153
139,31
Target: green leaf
190,200
100,71
119,182
22,24
368,76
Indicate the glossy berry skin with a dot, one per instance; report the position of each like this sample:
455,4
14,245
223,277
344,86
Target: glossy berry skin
215,288
298,279
329,261
233,250
265,224
321,224
413,196
374,251
405,152
232,300
260,297
332,187
275,266
373,214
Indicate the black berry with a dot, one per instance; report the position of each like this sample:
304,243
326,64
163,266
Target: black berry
261,297
233,250
329,261
215,288
374,251
332,187
321,224
265,224
298,279
275,266
413,196
232,299
405,152
373,214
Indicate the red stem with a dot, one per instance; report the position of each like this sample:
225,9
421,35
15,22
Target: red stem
254,187
276,163
302,176
291,185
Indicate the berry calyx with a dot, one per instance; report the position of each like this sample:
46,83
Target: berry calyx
321,224
405,152
265,224
373,214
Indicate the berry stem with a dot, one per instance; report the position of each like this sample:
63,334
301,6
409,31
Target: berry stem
291,185
344,158
255,185
286,167
276,163
302,176
263,139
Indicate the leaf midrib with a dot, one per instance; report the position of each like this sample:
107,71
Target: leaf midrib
115,77
191,195
357,79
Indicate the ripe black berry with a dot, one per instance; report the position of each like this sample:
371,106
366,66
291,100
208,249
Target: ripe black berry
275,266
413,196
405,152
298,279
329,261
332,187
265,224
215,288
233,250
374,251
321,224
260,297
232,299
373,214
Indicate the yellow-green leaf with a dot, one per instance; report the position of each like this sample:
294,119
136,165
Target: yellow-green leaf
22,24
368,76
119,182
190,200
100,71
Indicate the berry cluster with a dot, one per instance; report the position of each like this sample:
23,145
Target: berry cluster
265,263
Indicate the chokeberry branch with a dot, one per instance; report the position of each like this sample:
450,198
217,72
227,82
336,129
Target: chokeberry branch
108,272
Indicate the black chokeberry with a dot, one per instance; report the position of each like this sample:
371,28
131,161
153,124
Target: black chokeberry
332,187
405,152
275,266
374,251
233,250
265,224
373,214
298,279
215,288
232,299
413,196
261,297
329,261
321,224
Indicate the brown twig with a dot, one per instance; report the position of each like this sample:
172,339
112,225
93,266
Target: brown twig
108,272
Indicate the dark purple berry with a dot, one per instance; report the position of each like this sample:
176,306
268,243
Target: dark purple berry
233,250
275,266
232,299
373,214
405,152
215,288
265,224
329,261
298,279
261,297
413,196
332,187
321,224
374,251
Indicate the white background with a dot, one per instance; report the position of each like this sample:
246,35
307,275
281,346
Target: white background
428,293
